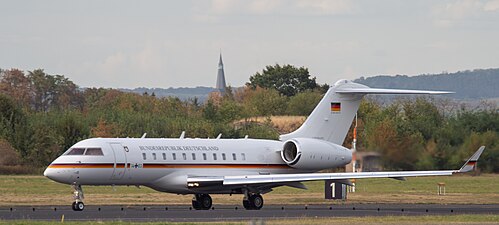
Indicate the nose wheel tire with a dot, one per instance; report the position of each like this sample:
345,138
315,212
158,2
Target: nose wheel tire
201,202
78,206
254,202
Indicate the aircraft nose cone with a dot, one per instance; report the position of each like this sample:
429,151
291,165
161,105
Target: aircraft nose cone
53,174
47,173
58,175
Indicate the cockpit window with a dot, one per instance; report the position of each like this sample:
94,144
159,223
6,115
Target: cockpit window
81,151
94,151
76,151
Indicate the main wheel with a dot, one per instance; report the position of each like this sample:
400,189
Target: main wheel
202,201
205,201
256,201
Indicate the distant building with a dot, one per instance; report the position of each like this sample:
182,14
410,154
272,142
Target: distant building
221,76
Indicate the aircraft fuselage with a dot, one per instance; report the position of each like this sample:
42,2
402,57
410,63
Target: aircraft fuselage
165,164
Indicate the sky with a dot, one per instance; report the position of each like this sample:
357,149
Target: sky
163,44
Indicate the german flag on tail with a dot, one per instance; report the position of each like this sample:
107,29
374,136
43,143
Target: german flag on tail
336,107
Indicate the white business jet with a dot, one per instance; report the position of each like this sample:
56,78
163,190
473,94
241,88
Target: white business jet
251,167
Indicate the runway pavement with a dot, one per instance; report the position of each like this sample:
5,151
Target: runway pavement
226,212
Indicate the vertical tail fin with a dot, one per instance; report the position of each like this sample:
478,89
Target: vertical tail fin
332,117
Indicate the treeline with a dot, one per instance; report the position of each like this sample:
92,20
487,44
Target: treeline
42,115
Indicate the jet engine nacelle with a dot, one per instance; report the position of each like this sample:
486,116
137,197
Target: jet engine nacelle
314,154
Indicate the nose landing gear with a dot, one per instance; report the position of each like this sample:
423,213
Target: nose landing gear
78,197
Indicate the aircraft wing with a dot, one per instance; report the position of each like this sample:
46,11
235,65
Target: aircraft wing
286,178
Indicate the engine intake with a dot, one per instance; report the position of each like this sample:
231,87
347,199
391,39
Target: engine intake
290,153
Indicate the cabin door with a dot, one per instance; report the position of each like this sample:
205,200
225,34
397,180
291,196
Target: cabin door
120,161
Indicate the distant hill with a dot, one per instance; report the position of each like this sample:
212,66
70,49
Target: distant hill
468,85
183,93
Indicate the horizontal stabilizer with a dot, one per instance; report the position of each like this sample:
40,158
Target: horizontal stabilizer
368,90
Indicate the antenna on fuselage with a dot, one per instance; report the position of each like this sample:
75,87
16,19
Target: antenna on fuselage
144,135
182,136
219,136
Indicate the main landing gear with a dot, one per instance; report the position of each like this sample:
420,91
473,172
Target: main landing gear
252,201
78,196
201,202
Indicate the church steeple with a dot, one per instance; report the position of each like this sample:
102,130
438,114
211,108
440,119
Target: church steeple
220,76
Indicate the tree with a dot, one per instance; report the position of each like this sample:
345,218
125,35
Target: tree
105,130
229,111
13,125
15,84
264,102
53,91
421,116
303,103
42,88
45,146
210,111
287,80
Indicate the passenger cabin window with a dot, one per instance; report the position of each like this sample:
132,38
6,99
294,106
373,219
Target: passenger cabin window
76,151
243,156
214,156
164,156
174,156
204,156
144,157
223,156
193,156
184,156
94,151
154,156
234,156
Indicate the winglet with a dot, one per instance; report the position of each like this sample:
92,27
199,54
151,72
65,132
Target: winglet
471,163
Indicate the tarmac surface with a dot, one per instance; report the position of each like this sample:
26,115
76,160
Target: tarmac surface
181,213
